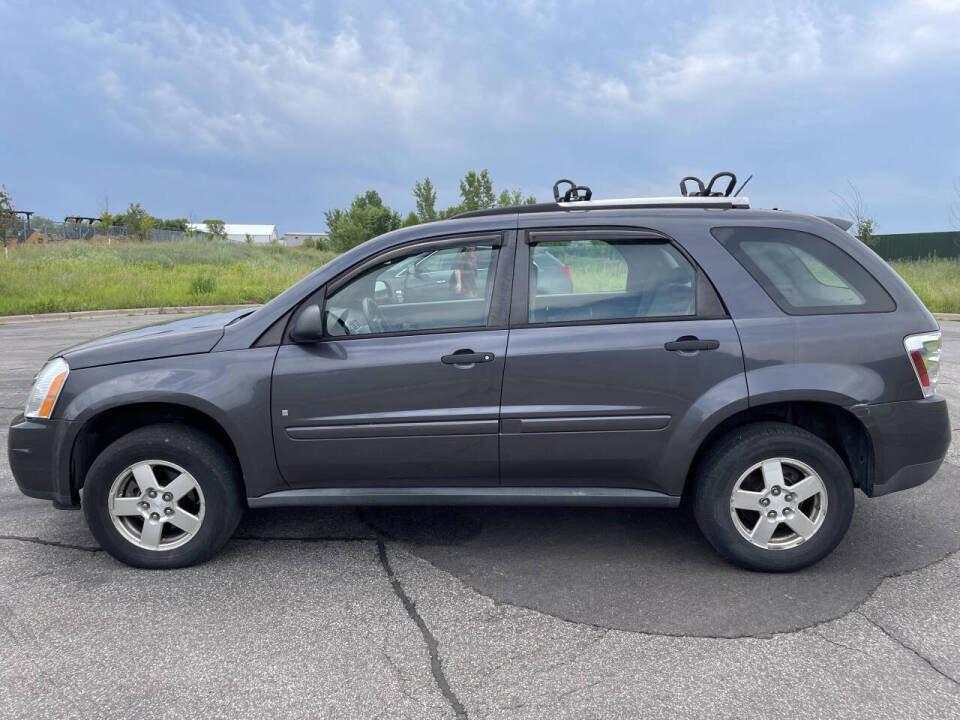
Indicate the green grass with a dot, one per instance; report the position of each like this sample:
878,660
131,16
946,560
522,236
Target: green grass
937,282
81,276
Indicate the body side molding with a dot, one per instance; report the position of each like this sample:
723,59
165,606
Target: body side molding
597,497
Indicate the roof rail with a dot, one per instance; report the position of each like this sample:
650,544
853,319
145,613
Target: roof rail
688,201
580,197
570,196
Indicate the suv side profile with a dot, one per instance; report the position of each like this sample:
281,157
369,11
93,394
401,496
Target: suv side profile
761,364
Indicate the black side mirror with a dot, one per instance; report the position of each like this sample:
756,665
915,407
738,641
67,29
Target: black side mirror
308,326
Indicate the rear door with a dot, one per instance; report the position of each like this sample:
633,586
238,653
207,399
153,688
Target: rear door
598,378
404,389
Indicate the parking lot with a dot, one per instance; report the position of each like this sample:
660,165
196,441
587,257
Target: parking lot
475,612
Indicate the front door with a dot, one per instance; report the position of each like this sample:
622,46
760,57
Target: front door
404,389
598,377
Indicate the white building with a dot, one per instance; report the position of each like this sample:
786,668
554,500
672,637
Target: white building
297,238
259,234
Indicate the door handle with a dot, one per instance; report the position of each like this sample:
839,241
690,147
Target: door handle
689,343
467,357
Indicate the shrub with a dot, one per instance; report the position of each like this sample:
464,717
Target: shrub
203,283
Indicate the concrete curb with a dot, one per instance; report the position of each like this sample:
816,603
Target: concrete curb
947,316
81,314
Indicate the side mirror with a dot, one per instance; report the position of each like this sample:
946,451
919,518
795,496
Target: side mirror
308,327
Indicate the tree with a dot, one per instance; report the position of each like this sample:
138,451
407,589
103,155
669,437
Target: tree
366,218
217,229
9,221
138,221
476,191
425,196
412,219
512,198
864,225
178,224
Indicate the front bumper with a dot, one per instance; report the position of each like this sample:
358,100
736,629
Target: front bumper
910,440
39,453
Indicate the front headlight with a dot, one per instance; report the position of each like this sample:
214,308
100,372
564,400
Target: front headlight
46,389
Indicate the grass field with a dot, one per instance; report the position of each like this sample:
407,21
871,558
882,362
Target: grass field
937,282
83,276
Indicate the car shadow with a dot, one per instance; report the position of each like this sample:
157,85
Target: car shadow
643,569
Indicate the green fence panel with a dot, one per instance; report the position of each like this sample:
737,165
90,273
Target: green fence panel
917,246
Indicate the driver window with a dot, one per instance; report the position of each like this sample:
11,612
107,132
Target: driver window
429,290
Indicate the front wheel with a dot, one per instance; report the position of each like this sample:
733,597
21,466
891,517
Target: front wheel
163,496
773,497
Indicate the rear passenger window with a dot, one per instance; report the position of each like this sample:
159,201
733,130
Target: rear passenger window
804,274
574,280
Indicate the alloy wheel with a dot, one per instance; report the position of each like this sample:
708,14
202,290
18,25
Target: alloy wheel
779,503
156,505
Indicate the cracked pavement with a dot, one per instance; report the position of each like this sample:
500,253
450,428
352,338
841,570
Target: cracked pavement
474,612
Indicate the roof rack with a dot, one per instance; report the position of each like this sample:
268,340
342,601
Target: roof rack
580,197
659,202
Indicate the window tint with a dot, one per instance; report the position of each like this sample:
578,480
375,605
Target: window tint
429,290
573,280
804,274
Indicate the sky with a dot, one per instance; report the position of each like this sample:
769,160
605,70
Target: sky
271,112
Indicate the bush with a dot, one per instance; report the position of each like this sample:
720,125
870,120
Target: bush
203,283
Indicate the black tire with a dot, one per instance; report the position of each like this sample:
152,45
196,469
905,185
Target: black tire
196,452
733,455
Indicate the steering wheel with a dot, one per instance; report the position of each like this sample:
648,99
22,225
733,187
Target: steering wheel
375,319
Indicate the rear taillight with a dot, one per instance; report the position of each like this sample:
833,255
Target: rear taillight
924,353
569,274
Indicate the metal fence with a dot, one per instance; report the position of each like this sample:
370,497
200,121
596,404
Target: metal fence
42,231
917,246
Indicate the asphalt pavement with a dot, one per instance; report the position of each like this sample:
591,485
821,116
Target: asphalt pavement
475,612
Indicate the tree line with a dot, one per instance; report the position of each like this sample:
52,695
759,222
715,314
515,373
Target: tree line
136,220
368,217
140,223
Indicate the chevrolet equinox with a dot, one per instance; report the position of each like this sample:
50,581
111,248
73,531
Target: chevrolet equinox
762,365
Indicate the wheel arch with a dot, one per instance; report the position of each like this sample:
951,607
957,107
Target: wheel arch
108,424
834,424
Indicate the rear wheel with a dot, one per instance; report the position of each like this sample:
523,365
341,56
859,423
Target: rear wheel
163,496
773,497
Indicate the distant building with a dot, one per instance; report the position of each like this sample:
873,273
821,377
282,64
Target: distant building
259,234
297,238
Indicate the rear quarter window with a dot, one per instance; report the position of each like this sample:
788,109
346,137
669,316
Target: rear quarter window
804,274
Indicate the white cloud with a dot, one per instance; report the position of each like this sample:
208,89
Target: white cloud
742,52
209,87
426,77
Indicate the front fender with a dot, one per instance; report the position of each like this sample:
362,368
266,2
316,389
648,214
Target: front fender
232,388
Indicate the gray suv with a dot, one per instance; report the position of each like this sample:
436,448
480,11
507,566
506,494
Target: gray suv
759,364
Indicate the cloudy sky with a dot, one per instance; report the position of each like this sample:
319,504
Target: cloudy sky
274,112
